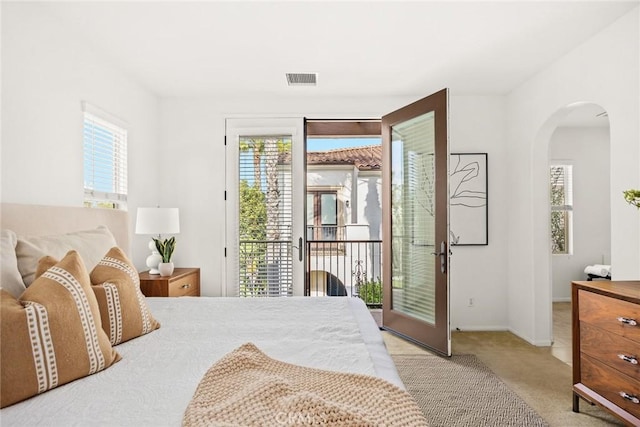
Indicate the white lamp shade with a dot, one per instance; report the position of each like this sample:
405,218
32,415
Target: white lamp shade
157,221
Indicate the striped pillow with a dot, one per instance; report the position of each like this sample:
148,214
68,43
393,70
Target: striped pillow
51,335
116,284
124,311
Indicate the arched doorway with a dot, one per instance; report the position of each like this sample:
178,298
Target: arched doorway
575,170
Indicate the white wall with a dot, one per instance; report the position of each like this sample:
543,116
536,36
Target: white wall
46,72
369,203
587,149
603,70
479,272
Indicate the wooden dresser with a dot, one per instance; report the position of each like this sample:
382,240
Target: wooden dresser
606,346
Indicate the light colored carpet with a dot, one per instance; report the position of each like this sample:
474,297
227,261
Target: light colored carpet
462,391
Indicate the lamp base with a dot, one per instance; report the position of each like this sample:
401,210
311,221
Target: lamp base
154,259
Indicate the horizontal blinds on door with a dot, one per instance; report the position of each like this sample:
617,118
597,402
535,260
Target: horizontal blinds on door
413,223
265,195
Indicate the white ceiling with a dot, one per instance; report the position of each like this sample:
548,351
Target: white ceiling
180,48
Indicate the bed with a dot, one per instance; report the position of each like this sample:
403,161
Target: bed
159,371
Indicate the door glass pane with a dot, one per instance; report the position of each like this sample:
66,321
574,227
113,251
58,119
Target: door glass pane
265,217
413,217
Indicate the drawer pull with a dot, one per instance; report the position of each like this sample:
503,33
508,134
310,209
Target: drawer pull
186,286
627,321
630,397
631,359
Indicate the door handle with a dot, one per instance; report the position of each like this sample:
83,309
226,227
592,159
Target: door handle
300,249
443,256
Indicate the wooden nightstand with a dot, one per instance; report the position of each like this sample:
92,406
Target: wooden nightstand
182,283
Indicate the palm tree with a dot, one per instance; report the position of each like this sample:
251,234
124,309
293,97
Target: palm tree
256,145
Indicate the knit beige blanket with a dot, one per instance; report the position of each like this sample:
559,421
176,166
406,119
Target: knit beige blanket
247,388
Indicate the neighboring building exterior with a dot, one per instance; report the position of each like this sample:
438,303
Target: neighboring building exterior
344,208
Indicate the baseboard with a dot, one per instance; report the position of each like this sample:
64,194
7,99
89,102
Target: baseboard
562,299
479,329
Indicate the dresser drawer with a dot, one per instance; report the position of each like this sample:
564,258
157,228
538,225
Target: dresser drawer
185,286
605,312
609,383
608,348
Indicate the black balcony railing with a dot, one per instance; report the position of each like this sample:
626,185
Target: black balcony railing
325,232
345,268
333,268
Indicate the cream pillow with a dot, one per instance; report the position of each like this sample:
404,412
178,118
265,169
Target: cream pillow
91,245
52,334
11,280
123,307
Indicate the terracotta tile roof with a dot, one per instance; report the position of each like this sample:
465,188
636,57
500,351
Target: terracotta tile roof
364,158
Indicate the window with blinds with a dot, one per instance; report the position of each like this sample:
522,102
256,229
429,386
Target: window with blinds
561,197
105,161
413,217
265,217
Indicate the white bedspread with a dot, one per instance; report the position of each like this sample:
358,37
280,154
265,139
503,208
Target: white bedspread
159,372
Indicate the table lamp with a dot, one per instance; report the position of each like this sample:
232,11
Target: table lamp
156,221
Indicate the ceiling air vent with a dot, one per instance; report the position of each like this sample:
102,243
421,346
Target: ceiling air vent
302,79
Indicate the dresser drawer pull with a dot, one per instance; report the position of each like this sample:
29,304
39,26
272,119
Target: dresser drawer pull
186,286
631,359
630,397
627,321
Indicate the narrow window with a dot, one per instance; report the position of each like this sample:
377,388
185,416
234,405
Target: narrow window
561,208
105,160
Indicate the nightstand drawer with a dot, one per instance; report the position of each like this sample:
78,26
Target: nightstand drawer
187,286
183,282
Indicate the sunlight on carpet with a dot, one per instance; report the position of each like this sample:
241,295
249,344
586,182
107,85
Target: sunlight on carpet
462,391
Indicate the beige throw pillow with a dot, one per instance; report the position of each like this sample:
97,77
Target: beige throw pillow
52,335
90,244
123,307
11,280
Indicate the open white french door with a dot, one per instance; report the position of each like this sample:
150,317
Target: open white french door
265,199
416,222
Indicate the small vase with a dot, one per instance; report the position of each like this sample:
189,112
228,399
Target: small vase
166,268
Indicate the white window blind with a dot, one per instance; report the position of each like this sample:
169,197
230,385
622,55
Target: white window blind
561,187
413,218
105,161
266,216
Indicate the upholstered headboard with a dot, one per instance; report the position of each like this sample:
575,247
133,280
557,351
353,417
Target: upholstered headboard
38,220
